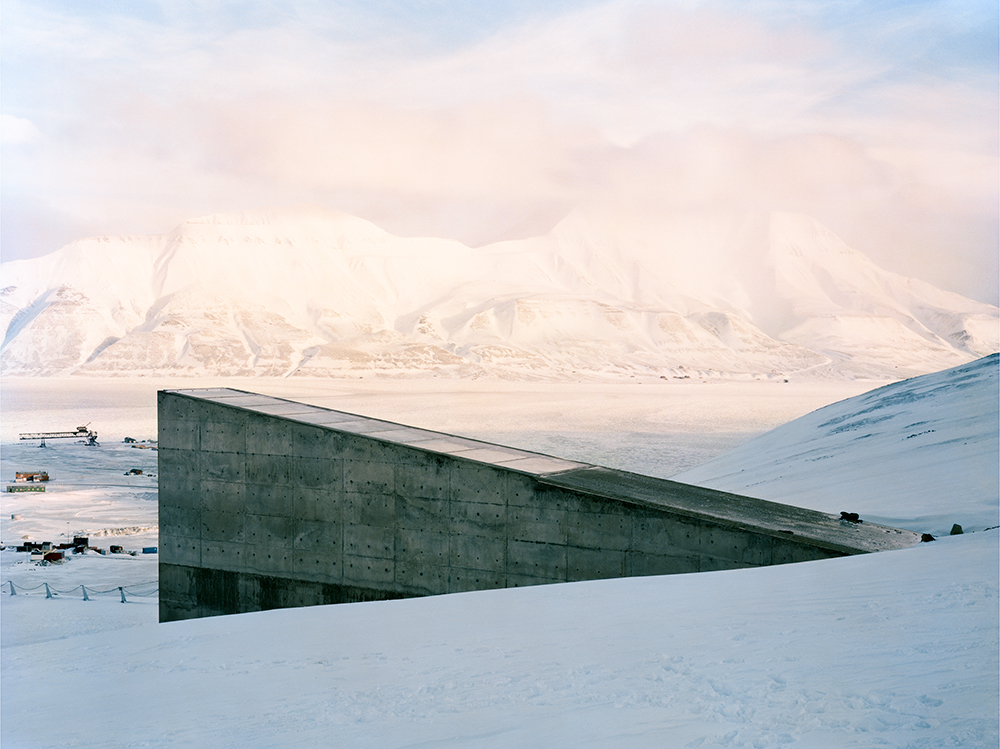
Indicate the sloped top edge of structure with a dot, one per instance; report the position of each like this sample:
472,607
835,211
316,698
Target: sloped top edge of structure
523,461
771,518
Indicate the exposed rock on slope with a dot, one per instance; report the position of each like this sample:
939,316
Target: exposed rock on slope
307,291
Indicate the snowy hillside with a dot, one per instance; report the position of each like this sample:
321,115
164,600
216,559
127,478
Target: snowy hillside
895,649
306,291
922,454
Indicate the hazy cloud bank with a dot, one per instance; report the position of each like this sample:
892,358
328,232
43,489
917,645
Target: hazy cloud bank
493,122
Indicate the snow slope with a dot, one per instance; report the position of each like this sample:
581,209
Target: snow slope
922,454
897,649
307,291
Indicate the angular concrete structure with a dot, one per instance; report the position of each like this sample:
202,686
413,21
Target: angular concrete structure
268,503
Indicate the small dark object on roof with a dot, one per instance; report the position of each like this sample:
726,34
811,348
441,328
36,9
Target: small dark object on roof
851,517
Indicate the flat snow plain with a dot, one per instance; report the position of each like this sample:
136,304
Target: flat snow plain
894,649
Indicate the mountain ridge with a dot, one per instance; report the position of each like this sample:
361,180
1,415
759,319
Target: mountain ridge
303,290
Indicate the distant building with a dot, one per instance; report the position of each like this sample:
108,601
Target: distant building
30,476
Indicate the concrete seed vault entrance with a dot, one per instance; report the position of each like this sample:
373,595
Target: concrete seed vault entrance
267,503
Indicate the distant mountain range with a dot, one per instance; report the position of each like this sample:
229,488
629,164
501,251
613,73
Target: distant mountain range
311,292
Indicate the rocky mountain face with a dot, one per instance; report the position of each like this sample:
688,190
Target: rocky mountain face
306,291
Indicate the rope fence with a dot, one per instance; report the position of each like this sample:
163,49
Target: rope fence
137,590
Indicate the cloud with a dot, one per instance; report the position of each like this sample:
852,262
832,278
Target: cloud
495,122
17,131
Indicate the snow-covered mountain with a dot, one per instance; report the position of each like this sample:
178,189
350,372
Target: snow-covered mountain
306,291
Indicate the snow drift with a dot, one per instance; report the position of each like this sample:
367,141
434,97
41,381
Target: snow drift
922,454
895,649
306,291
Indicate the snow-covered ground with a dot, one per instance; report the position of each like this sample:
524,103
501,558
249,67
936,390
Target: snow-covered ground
895,649
892,649
846,456
88,494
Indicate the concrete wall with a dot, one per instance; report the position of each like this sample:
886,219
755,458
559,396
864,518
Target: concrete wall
260,509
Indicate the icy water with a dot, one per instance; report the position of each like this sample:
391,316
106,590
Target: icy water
649,428
798,654
656,428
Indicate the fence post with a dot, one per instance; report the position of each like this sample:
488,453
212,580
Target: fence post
48,593
84,592
122,591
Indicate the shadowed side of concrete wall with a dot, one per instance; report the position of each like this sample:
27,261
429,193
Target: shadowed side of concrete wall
259,511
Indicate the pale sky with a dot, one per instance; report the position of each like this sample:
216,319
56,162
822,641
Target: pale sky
485,120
